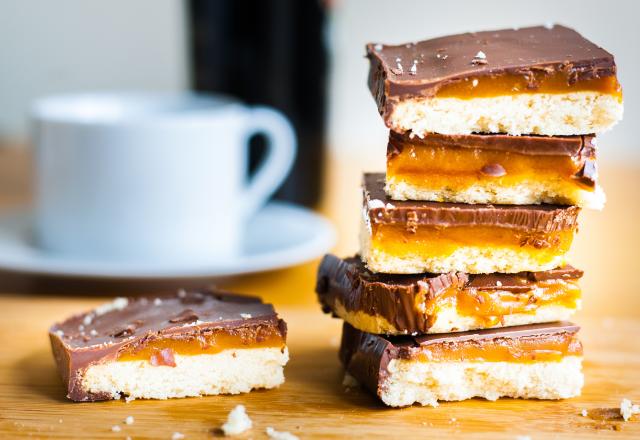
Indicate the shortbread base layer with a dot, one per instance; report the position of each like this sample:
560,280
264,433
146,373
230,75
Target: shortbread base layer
548,114
470,259
426,383
525,193
227,372
448,319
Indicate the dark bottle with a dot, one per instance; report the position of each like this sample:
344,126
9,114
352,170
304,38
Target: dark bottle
269,52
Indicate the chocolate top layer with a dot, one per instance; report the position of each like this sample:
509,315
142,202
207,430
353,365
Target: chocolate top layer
366,356
129,324
444,60
401,299
381,209
128,318
521,331
579,147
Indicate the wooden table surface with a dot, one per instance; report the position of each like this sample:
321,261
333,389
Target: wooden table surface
313,403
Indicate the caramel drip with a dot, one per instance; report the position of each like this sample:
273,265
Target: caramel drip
491,305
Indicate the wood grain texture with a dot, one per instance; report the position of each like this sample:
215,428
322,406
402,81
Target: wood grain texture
312,403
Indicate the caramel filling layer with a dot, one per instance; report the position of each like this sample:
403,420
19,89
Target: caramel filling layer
551,348
438,242
206,343
435,167
490,306
492,86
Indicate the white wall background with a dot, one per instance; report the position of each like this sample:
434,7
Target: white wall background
57,46
354,121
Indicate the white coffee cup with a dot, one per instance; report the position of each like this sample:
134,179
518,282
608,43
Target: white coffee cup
131,176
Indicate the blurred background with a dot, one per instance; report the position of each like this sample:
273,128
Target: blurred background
306,58
71,45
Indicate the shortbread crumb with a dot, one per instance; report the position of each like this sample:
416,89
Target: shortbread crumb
448,319
426,383
280,435
628,409
465,258
237,422
227,372
116,304
129,420
548,114
349,381
523,192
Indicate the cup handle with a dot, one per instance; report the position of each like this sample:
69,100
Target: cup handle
281,151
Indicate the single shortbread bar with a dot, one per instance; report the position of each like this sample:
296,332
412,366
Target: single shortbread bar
418,236
502,169
539,80
190,344
541,361
443,303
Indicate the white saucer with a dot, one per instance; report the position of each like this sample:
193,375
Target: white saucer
280,235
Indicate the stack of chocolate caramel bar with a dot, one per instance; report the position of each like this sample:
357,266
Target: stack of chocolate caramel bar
461,288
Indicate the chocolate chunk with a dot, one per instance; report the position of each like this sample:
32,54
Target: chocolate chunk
194,298
527,52
530,218
566,272
163,357
588,175
128,326
493,170
125,331
187,315
397,298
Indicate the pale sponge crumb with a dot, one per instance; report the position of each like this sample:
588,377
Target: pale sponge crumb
237,422
280,435
548,114
227,372
464,259
523,193
426,383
